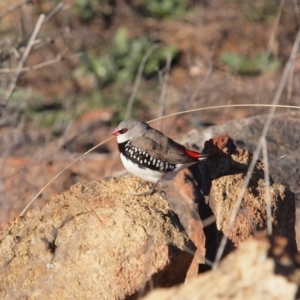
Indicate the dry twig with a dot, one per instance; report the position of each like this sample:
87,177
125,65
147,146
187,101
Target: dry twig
23,59
14,7
138,80
58,58
162,98
267,181
54,11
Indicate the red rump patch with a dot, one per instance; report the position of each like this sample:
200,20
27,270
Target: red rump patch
191,153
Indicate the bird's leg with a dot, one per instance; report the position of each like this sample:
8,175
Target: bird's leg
151,191
141,185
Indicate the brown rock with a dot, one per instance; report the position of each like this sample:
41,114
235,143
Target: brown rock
247,273
228,171
215,185
283,143
182,196
95,241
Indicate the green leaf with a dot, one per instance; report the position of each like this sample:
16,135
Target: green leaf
121,42
244,66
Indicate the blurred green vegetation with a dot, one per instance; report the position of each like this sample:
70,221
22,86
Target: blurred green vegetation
241,65
38,114
89,9
119,67
166,8
109,78
112,54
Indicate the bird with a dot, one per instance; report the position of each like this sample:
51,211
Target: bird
151,155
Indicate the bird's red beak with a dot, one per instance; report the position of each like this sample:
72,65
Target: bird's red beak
115,132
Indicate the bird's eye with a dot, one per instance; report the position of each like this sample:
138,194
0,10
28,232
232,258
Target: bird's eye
123,130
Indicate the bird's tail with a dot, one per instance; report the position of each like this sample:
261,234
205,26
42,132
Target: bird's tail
195,154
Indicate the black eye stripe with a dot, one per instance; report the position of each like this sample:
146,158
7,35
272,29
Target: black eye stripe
123,130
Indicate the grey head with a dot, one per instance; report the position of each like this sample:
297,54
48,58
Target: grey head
130,129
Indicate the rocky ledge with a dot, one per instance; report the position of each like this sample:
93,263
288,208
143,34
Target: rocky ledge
101,241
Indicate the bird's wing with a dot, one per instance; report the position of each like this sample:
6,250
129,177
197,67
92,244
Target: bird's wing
153,143
162,147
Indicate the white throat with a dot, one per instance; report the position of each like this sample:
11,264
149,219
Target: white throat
121,138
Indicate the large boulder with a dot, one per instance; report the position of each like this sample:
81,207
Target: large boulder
95,241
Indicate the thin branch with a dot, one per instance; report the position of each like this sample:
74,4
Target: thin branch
278,159
206,77
270,50
208,221
162,98
39,43
297,11
138,80
290,85
55,60
275,26
223,106
54,11
23,59
82,156
14,7
267,181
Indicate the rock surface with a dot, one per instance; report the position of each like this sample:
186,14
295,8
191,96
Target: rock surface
251,272
182,194
95,241
228,172
283,138
214,187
